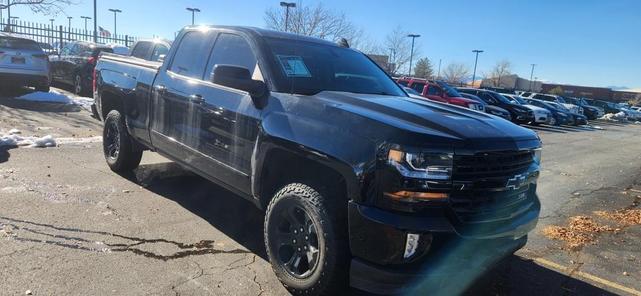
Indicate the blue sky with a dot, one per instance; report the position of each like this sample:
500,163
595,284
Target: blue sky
588,42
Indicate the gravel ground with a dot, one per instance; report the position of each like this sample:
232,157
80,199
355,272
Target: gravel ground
69,226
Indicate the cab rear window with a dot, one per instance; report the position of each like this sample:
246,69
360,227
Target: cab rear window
17,43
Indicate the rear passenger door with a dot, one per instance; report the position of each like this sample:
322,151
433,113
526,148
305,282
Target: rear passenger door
174,114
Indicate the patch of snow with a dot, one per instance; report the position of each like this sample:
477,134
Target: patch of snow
57,97
96,139
614,116
14,140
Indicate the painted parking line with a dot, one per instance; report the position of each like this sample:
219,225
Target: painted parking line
587,276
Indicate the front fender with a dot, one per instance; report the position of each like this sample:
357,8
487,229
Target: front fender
320,141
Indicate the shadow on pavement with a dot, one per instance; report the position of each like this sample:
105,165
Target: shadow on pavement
552,129
518,276
243,222
238,218
39,106
4,154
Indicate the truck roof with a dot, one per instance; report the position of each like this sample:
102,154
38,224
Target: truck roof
263,33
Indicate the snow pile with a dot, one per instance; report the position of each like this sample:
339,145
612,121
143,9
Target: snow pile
57,97
14,139
614,116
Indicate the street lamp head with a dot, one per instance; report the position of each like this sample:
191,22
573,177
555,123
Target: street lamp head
115,10
85,17
413,35
477,51
288,4
193,9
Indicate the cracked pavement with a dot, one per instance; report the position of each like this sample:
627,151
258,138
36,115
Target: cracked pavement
69,226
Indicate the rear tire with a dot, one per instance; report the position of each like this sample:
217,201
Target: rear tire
316,261
118,146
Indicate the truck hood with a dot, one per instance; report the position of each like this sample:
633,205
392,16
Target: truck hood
452,124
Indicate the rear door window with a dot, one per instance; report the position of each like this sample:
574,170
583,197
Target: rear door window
188,59
141,50
159,50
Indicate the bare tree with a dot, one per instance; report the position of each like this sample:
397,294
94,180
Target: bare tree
398,46
500,70
316,21
456,73
46,7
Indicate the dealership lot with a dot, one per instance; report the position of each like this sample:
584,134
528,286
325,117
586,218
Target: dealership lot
68,225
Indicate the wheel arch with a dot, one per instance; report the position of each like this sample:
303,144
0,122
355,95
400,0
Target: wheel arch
279,162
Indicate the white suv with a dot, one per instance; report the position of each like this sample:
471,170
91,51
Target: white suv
23,63
553,98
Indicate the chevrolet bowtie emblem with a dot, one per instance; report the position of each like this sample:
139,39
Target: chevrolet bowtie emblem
516,182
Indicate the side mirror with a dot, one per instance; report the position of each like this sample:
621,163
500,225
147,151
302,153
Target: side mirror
240,78
161,58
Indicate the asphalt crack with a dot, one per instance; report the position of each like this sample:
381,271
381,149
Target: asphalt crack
76,241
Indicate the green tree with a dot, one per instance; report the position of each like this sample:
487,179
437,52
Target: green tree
556,91
423,68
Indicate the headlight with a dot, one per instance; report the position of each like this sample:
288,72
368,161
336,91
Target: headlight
422,165
537,155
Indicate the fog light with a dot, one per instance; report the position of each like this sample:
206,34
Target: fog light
411,243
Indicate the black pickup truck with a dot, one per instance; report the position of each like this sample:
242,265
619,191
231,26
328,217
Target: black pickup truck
360,183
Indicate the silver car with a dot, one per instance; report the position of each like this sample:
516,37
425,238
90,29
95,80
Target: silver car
23,63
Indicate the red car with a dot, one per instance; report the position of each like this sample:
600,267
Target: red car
439,91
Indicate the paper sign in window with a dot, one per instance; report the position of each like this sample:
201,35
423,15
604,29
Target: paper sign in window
294,66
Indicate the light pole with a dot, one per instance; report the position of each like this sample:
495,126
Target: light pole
477,51
413,36
531,75
95,21
287,5
116,12
14,20
51,20
69,18
392,57
193,13
85,18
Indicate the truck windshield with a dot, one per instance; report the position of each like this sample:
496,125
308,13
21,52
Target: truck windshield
450,91
308,68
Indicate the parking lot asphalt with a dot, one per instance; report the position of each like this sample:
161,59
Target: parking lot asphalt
69,226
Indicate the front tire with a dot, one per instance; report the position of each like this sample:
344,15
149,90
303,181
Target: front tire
313,261
118,146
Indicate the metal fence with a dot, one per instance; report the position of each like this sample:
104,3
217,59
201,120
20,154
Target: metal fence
58,36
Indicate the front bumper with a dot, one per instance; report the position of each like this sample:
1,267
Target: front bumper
377,242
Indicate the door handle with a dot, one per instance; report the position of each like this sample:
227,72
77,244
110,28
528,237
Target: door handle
196,99
160,88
